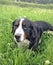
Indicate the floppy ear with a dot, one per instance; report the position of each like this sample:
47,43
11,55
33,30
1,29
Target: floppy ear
33,32
35,35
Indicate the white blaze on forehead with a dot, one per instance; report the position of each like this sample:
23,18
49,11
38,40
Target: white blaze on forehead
19,30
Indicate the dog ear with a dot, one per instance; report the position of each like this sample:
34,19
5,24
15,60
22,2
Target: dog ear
32,31
35,34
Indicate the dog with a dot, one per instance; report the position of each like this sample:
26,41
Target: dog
24,28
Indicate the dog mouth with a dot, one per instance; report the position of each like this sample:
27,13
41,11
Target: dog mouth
24,43
18,40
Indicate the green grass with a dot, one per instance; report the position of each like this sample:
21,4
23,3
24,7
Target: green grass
10,54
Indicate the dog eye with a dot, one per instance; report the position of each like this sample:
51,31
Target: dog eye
16,25
24,25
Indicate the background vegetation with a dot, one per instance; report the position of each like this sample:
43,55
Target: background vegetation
31,1
10,54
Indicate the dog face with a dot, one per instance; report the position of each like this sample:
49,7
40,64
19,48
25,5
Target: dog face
21,29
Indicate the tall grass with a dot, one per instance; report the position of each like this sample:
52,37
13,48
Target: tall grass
10,54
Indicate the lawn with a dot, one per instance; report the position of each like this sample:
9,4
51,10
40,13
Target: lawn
10,54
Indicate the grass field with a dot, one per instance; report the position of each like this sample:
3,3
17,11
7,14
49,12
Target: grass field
10,54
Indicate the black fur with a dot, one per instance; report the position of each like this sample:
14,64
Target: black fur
34,31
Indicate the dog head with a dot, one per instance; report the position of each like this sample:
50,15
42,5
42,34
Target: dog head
21,29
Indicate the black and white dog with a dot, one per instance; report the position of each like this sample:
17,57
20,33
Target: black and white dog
25,29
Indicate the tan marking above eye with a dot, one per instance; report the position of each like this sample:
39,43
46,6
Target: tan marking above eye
16,23
23,23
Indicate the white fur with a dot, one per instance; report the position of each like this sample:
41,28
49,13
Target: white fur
20,31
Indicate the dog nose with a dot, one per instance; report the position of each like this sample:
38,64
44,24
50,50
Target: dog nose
17,37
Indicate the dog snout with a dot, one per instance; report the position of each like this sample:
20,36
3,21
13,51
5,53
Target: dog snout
17,36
